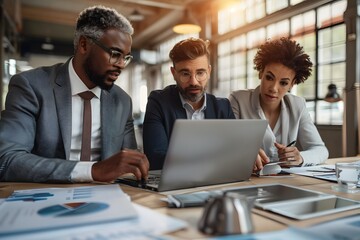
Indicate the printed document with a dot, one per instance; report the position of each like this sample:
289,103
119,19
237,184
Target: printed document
46,209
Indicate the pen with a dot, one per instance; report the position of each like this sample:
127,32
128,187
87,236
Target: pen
329,168
291,144
285,162
323,174
321,171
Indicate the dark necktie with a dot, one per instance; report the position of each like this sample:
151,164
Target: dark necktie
86,134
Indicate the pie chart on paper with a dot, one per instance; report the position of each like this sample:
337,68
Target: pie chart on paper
72,209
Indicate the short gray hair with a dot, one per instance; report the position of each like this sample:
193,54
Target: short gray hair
94,21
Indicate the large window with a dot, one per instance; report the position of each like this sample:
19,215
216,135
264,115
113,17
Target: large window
240,14
232,18
331,60
303,31
275,5
320,31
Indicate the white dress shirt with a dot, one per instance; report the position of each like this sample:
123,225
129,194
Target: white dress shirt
191,113
82,170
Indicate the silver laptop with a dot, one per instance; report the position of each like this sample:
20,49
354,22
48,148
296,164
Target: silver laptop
207,152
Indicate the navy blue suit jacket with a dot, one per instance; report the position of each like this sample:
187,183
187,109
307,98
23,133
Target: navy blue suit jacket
163,108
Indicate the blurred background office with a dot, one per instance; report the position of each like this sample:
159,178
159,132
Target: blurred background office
37,33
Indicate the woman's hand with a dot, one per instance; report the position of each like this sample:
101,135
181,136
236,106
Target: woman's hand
289,155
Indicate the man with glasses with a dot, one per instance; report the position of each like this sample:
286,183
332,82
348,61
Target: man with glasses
186,100
69,122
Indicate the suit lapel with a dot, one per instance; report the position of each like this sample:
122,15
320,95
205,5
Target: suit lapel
180,113
284,122
107,116
210,111
62,94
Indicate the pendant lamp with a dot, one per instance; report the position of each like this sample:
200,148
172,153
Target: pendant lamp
332,95
187,25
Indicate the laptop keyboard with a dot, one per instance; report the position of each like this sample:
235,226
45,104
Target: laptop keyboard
153,180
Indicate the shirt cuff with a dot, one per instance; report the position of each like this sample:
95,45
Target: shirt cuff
82,172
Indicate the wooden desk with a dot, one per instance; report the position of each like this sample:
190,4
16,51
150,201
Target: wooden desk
263,221
344,159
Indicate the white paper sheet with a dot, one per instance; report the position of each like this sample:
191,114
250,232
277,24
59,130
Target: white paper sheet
54,208
324,172
149,225
314,171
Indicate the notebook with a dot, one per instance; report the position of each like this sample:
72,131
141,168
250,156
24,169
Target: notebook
207,152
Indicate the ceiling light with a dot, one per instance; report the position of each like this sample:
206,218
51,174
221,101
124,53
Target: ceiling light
136,16
187,25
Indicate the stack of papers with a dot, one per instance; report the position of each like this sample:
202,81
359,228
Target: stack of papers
149,225
319,171
92,212
52,208
324,172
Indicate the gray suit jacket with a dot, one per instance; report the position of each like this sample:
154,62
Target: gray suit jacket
35,127
296,123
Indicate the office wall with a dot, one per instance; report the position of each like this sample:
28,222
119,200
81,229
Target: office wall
331,135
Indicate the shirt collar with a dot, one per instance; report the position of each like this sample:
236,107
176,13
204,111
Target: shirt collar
185,103
77,86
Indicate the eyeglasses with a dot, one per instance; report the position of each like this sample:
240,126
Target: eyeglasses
185,76
115,56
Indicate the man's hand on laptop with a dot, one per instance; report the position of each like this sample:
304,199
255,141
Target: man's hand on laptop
261,160
126,161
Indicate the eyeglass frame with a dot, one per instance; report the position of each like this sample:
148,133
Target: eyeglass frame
181,74
126,59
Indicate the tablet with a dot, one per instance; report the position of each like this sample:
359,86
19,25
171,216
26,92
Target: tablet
310,208
295,202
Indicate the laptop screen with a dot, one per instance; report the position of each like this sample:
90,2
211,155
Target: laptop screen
207,152
211,151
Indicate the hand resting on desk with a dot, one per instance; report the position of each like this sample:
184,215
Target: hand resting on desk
126,161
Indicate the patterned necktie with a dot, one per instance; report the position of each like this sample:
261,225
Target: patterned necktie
86,133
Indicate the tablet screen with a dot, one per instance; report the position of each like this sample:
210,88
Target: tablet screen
308,208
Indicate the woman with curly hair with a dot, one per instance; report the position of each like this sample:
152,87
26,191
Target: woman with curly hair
281,64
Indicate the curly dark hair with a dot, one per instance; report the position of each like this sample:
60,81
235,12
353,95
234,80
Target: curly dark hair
287,52
189,49
94,21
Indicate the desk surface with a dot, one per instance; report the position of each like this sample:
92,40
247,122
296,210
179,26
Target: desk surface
263,221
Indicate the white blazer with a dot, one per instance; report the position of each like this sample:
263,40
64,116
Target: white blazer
296,123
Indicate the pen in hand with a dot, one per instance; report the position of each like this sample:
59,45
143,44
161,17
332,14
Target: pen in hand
291,144
284,162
